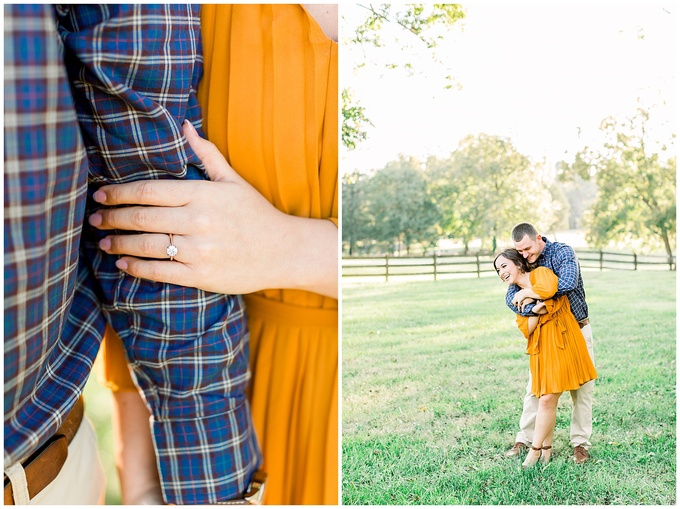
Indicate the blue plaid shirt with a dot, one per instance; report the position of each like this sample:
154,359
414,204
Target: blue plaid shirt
561,259
133,72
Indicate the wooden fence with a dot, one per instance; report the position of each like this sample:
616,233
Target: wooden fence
450,266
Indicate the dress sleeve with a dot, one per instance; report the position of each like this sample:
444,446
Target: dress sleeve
523,325
544,282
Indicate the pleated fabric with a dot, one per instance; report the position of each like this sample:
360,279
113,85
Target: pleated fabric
558,355
270,103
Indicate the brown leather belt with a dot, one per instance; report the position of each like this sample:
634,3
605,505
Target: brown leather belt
583,323
255,493
43,466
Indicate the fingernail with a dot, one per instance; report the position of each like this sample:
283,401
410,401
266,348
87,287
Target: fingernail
121,264
99,196
105,244
95,219
190,126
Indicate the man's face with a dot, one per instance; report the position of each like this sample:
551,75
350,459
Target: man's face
530,248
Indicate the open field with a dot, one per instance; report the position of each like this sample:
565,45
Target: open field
433,379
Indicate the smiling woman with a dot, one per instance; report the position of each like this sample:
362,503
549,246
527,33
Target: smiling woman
265,225
559,359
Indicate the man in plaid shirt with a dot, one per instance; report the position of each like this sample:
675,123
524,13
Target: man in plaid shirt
561,259
133,72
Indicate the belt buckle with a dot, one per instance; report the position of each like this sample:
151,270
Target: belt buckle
254,493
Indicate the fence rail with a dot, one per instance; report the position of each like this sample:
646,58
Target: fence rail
448,266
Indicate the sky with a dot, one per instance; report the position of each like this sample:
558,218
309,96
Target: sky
543,75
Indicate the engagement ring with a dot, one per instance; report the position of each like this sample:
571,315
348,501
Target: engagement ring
172,249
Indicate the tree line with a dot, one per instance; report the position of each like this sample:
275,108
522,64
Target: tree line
623,191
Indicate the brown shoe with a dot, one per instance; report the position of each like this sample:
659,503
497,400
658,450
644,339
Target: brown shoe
580,454
517,449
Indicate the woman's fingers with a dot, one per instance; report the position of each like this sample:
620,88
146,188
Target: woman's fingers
144,219
216,165
163,193
156,270
146,245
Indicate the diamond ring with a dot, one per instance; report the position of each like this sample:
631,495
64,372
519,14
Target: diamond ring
172,250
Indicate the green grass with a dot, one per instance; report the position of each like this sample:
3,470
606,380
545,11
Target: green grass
98,409
433,376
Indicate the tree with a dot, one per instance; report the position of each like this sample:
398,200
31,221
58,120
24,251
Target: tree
403,25
487,186
354,121
580,194
636,185
399,204
355,216
422,24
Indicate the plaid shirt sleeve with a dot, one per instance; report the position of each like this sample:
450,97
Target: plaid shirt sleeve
45,182
564,264
566,268
510,294
134,71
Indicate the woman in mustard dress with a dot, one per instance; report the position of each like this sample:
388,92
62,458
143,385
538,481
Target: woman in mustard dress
559,359
270,103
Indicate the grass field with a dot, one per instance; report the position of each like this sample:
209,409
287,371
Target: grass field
433,376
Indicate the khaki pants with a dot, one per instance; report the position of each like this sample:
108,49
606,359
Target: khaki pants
581,417
80,481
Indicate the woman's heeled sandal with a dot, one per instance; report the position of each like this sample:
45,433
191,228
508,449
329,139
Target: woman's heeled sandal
527,463
545,456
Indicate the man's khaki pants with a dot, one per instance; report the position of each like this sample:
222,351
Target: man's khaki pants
81,479
581,417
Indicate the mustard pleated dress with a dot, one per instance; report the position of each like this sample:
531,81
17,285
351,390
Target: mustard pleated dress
558,355
270,104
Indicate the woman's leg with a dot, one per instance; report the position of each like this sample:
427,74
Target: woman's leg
547,445
134,452
545,424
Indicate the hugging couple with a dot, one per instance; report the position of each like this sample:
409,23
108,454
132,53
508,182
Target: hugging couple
545,290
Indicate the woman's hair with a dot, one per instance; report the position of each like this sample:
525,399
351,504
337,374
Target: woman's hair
513,255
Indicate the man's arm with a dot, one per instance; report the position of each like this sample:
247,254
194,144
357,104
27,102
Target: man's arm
510,295
134,71
46,364
565,267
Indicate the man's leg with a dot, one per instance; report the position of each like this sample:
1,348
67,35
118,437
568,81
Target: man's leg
526,422
582,416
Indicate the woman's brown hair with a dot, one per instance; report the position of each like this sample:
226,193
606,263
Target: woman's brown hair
513,255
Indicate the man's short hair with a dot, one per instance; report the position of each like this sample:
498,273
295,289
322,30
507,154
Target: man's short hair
522,229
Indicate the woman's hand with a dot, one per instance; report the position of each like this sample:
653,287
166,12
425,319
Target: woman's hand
520,297
540,308
230,239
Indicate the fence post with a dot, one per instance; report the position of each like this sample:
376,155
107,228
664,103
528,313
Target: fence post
478,267
387,268
634,261
601,260
670,262
435,266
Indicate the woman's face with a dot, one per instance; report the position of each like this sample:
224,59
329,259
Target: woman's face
507,270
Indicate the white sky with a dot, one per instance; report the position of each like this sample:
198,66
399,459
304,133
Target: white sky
534,73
